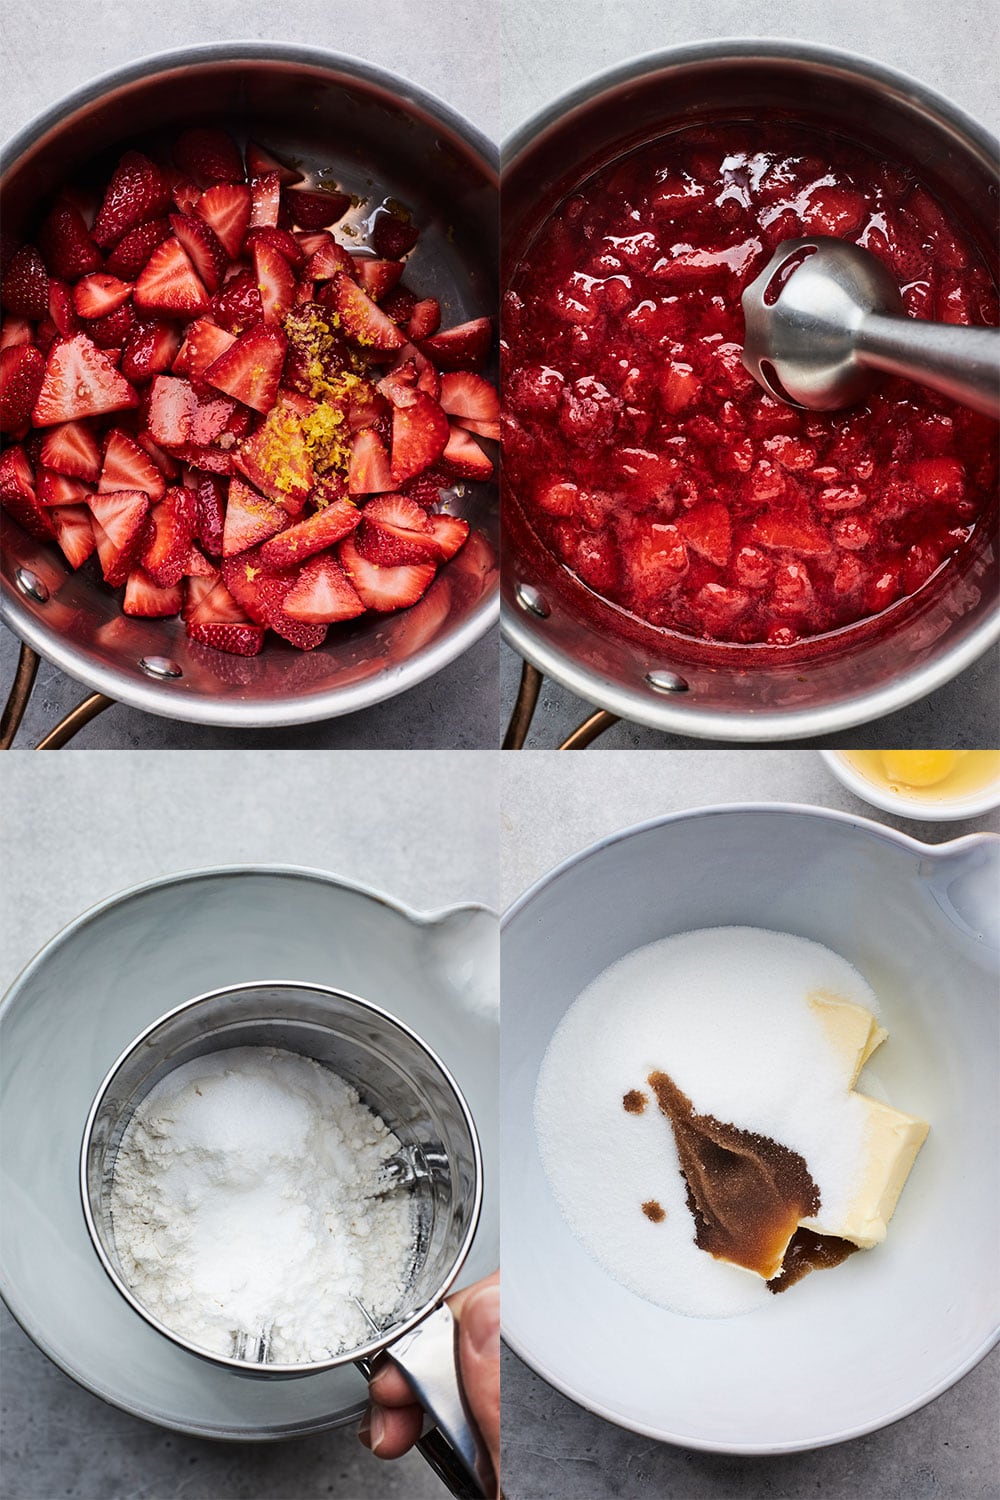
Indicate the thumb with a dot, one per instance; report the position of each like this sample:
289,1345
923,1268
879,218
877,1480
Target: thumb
479,1359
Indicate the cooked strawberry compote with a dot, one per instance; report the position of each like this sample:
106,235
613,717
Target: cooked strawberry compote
652,465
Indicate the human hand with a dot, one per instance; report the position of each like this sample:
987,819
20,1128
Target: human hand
394,1420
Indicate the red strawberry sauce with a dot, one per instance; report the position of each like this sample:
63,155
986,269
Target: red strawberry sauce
648,461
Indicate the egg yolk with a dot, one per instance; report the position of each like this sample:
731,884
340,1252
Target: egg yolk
919,767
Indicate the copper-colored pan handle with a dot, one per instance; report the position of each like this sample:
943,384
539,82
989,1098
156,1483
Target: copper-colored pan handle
524,709
17,703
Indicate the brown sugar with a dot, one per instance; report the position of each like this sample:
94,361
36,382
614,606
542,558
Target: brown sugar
634,1102
654,1212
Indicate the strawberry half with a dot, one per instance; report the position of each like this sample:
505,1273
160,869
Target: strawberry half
209,156
132,252
324,263
238,307
80,381
420,434
394,531
148,599
370,471
424,320
22,370
113,331
280,240
237,640
72,449
169,284
17,494
377,277
226,211
67,245
311,210
99,294
317,532
265,200
149,350
138,191
464,456
466,395
127,467
261,591
250,518
204,343
166,553
384,589
207,601
203,248
363,322
120,525
462,347
261,163
450,533
211,513
25,287
251,370
58,489
393,236
323,594
74,533
275,281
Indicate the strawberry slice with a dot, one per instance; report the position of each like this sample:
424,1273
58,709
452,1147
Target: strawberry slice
198,565
277,459
312,535
66,243
25,288
323,594
166,553
169,284
384,589
707,529
329,258
121,524
280,240
171,406
226,210
207,601
209,156
80,381
275,281
261,591
167,465
203,248
238,307
251,370
149,599
138,191
370,471
789,534
15,330
450,533
210,496
57,489
17,494
428,378
489,430
464,456
420,434
22,370
395,530
250,518
62,311
149,350
311,210
393,236
72,449
361,320
463,347
113,331
469,396
127,467
99,294
237,640
424,320
74,533
132,252
265,200
377,277
203,344
261,163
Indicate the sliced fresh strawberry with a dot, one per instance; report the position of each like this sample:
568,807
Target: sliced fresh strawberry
393,236
275,281
399,387
261,591
22,370
329,258
185,193
251,370
209,156
363,322
425,319
210,495
121,524
265,200
466,395
250,518
132,252
25,288
461,348
80,381
59,489
137,192
172,525
99,294
400,304
370,471
311,210
15,330
203,248
169,284
323,594
127,467
707,529
204,343
314,534
209,418
74,532
260,163
237,640
17,494
66,243
113,331
150,349
72,449
209,460
167,465
489,430
62,310
198,565
207,601
149,599
428,378
171,407
450,533
226,210
420,434
377,277
276,459
789,534
286,245
238,307
384,589
464,456
426,488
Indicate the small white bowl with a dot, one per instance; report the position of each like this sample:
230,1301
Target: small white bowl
943,810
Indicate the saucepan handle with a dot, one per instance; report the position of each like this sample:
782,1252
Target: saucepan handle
428,1357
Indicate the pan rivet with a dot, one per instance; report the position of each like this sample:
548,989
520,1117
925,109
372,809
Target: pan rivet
160,666
31,585
530,599
666,682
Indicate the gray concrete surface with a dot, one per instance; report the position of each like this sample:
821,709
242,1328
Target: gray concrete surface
78,828
450,47
954,49
550,807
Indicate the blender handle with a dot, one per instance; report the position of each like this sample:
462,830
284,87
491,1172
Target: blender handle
428,1357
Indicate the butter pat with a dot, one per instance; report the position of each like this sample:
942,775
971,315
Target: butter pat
852,1032
891,1142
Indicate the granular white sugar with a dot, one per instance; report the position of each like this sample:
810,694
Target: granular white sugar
724,1012
245,1195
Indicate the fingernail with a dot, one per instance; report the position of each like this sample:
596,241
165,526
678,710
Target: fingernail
481,1321
377,1428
